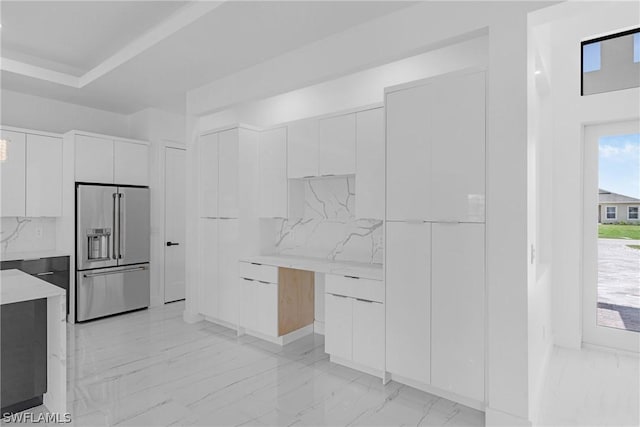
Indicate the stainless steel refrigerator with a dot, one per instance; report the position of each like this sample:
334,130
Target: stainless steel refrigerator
112,250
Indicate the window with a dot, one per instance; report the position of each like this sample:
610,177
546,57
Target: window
612,212
611,62
632,212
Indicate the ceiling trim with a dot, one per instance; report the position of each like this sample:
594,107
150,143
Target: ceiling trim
183,17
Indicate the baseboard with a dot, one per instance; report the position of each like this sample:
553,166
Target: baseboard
189,317
613,350
494,417
284,339
318,327
466,401
220,322
358,367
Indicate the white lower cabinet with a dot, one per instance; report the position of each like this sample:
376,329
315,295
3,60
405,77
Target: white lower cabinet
259,310
338,338
208,295
457,312
408,300
354,326
368,333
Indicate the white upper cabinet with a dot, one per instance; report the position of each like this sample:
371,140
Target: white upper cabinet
302,149
228,151
111,161
458,148
457,318
273,173
43,176
370,164
94,159
408,154
131,163
12,174
208,179
337,146
436,150
408,300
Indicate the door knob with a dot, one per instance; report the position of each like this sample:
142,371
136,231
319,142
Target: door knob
172,244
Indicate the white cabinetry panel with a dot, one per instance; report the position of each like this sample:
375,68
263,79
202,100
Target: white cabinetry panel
94,159
338,326
13,173
409,154
337,149
302,149
228,254
458,148
131,163
368,335
43,176
408,300
273,173
370,153
208,182
208,295
228,150
267,297
457,328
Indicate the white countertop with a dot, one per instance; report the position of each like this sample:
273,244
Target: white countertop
16,286
344,268
17,256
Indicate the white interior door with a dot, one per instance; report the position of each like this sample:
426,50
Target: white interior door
174,224
611,260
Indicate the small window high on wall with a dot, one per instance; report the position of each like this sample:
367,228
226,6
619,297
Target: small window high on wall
611,62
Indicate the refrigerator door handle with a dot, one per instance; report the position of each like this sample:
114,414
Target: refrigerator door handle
122,225
116,231
107,273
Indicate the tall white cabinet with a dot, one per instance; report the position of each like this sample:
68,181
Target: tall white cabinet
227,169
435,234
274,188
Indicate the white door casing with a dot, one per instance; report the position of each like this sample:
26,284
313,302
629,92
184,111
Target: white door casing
175,224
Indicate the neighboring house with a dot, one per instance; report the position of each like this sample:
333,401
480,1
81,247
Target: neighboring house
614,208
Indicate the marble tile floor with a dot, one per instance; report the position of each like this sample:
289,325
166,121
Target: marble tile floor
150,368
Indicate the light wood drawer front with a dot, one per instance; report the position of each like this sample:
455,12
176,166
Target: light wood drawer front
259,272
367,289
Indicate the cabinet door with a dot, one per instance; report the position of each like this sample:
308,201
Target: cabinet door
12,174
248,179
370,164
458,148
228,257
44,176
408,154
302,149
131,163
208,295
408,301
208,176
368,333
338,333
228,150
457,329
94,159
337,148
267,309
249,307
273,173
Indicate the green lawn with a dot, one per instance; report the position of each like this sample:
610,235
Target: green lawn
634,247
614,231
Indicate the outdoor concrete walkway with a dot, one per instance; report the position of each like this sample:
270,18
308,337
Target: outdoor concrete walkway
619,284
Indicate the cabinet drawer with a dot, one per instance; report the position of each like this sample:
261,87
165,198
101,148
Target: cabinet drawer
259,272
367,289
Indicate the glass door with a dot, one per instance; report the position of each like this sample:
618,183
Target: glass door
611,257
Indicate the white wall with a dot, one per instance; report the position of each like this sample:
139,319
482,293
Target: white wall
44,114
161,129
420,28
571,23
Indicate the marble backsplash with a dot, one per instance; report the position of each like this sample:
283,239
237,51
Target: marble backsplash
328,227
18,234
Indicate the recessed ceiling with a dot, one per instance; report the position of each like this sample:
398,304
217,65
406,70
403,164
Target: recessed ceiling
135,55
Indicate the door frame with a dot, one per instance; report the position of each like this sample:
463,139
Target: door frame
592,333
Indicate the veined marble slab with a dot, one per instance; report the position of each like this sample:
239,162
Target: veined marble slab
319,265
17,286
